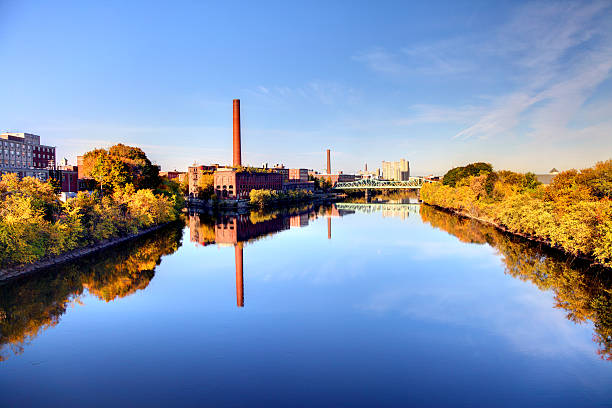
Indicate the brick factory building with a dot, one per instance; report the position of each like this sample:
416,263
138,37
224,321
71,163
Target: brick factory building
298,175
194,173
280,169
234,184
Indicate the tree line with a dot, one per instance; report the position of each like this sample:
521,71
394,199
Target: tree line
129,196
574,212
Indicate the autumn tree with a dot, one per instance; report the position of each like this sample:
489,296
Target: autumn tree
206,188
120,165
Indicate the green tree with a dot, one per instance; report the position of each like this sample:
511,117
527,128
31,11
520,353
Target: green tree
109,172
455,175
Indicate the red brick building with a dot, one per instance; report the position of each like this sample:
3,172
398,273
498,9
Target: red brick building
43,156
232,184
194,173
69,178
298,174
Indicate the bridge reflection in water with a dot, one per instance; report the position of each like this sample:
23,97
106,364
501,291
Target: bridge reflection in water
239,229
389,209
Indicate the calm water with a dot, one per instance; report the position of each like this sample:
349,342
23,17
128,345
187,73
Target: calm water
351,305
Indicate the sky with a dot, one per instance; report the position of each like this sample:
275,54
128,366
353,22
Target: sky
525,86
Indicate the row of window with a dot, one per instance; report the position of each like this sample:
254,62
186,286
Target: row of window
28,147
29,154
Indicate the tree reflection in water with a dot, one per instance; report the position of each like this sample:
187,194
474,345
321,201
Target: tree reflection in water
30,305
583,291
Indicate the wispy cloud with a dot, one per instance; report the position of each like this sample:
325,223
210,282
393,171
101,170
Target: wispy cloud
560,54
315,91
553,57
381,61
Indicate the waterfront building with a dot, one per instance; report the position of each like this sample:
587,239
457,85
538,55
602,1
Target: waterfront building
280,169
298,175
293,185
397,171
194,173
22,153
237,184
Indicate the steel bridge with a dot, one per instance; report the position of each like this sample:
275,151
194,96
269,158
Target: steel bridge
412,183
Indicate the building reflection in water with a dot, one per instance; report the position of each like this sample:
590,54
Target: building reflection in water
238,229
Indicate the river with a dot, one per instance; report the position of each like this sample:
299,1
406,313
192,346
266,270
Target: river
343,305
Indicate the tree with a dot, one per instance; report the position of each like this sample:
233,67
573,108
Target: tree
206,188
598,179
143,173
455,175
110,172
135,167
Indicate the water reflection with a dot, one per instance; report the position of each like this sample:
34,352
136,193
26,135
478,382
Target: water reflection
30,305
584,292
238,229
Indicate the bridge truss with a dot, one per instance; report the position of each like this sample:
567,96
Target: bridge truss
369,184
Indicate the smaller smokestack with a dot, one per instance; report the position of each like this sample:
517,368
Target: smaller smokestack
366,167
328,162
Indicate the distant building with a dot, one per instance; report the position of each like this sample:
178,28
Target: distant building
177,176
22,153
298,175
547,178
398,171
233,184
335,178
365,174
292,185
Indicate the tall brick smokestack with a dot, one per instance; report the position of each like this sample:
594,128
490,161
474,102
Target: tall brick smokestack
237,151
328,163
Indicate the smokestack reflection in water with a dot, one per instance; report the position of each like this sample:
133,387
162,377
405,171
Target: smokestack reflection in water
239,281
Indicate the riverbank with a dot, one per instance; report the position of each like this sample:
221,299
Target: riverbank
18,271
531,238
573,213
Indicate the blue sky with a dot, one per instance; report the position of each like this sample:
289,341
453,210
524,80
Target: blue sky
525,86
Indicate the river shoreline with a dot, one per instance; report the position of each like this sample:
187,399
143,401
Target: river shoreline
19,271
532,238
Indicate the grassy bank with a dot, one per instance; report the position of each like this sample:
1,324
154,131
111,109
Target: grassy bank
573,213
